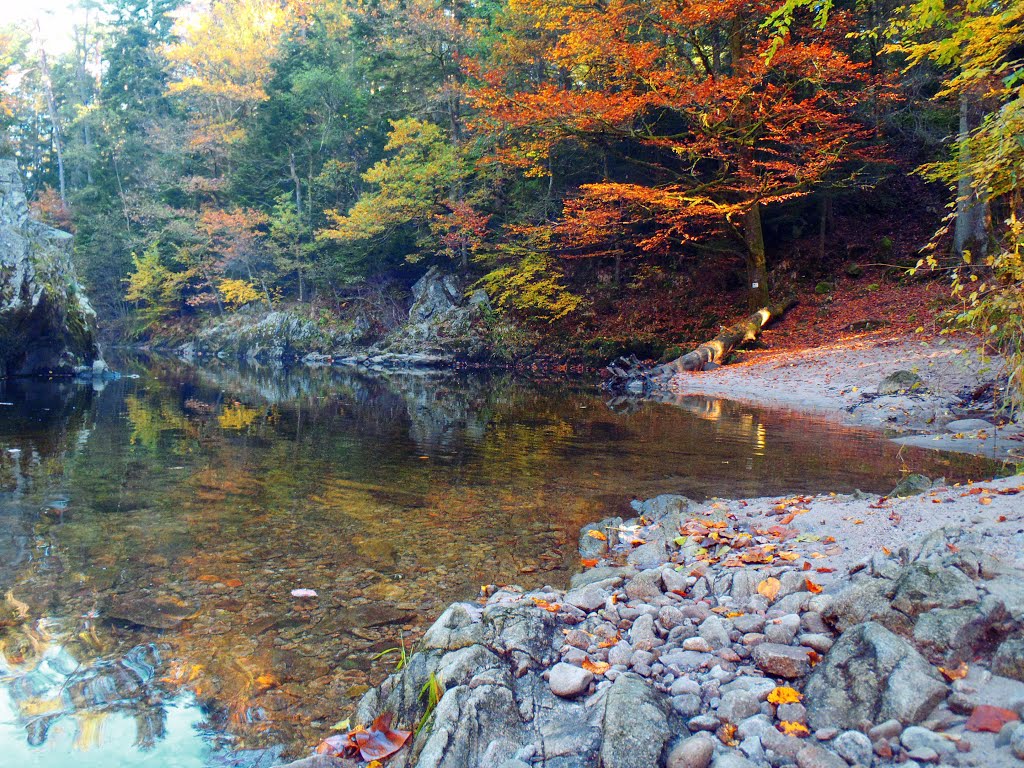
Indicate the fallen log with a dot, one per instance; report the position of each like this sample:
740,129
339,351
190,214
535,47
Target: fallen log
629,375
716,350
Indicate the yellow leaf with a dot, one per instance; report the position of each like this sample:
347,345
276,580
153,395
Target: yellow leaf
789,556
794,729
597,667
769,588
783,694
597,535
958,672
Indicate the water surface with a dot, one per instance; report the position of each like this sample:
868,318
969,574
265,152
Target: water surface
152,530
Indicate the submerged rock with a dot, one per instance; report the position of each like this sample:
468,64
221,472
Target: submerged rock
46,323
162,612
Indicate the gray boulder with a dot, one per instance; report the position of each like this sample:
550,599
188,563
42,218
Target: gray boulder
636,725
871,675
46,323
899,381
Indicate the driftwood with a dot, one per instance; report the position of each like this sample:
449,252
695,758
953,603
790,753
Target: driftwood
630,375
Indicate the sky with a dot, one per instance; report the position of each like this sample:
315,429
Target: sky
56,17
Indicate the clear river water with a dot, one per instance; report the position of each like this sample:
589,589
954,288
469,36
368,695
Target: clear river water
152,531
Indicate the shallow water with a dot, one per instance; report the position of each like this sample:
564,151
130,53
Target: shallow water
152,530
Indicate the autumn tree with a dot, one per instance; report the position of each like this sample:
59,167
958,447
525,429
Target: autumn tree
703,116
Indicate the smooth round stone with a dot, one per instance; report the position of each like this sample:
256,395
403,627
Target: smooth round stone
568,681
694,752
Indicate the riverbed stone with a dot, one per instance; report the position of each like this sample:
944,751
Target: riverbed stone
738,705
694,752
645,585
924,586
854,747
1008,660
636,727
649,555
781,660
568,681
588,598
871,675
1017,742
813,756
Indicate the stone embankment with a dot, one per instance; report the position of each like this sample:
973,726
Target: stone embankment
818,632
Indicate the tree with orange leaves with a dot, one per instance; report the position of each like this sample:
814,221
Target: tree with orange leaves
703,113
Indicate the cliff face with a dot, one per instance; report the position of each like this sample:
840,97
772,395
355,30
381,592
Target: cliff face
46,322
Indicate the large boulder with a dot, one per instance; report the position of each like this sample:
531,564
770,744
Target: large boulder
46,323
869,676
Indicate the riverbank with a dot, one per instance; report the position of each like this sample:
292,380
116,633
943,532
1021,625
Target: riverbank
934,392
815,631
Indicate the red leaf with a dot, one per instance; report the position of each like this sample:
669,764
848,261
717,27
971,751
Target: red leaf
379,741
985,717
333,746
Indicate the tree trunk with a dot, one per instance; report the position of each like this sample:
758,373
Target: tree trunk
972,230
757,268
718,348
58,141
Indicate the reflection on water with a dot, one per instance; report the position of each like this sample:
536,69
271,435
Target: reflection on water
152,531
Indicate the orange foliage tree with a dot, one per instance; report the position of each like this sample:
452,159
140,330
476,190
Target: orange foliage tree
703,114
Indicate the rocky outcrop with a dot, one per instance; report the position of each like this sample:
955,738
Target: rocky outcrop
442,319
46,322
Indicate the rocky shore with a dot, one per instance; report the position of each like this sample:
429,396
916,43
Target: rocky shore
820,632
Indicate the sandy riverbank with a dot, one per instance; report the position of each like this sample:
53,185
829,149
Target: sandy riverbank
841,380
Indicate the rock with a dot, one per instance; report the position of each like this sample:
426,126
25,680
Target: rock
600,573
323,761
738,705
781,660
46,323
706,722
916,737
889,729
923,755
636,727
649,555
458,627
732,760
645,585
969,425
871,675
568,681
698,644
588,598
694,752
749,623
161,612
1008,660
866,600
714,630
813,756
1017,742
782,630
792,713
596,546
957,632
924,586
854,747
899,382
911,485
641,635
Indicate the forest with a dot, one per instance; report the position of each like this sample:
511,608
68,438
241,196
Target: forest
602,169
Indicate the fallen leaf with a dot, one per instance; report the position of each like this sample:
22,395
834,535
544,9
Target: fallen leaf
552,607
789,556
783,694
769,588
958,672
597,535
794,729
812,587
988,718
597,667
304,593
208,577
233,582
727,735
984,500
886,551
379,741
588,562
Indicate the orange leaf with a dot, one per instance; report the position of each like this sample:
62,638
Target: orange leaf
379,741
789,556
783,694
208,577
769,588
794,729
597,667
233,582
727,735
597,535
984,500
812,587
958,672
588,562
886,551
552,607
